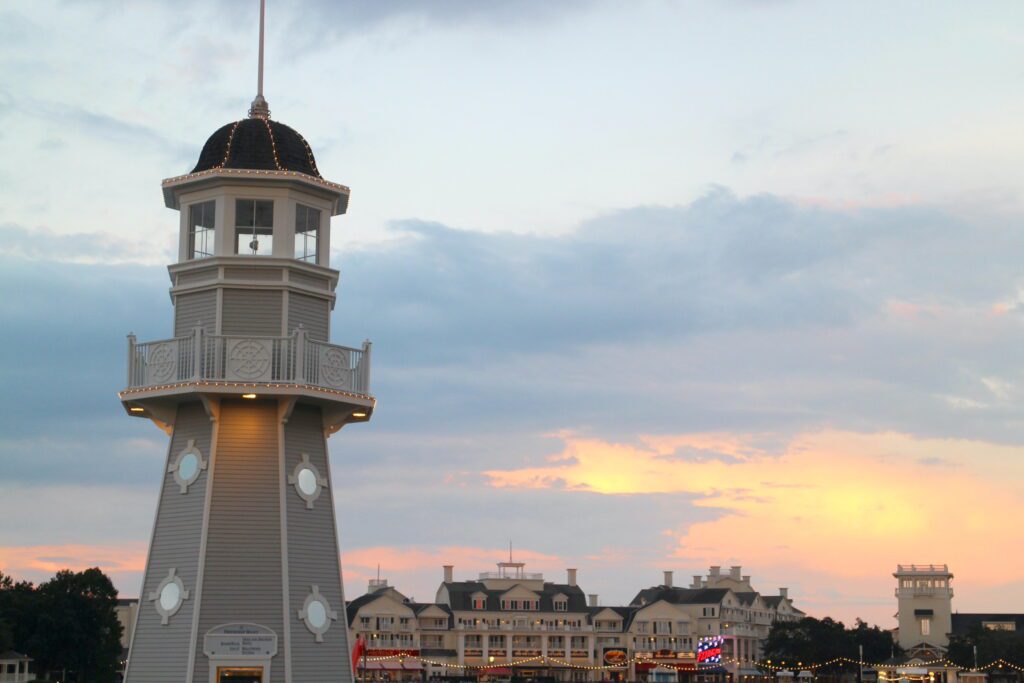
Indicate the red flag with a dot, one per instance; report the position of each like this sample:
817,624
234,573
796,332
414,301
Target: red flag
357,652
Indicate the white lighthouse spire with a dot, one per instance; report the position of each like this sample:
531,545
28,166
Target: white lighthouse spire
259,107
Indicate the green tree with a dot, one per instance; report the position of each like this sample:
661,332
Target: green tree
992,645
18,612
815,641
878,643
77,630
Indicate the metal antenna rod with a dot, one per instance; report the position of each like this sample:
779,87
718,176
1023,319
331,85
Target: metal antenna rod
259,84
259,107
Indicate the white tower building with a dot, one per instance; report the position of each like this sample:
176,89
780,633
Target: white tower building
925,596
243,578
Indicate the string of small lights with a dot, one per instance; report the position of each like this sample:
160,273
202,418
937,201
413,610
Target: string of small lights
309,155
273,143
240,386
227,150
219,171
882,668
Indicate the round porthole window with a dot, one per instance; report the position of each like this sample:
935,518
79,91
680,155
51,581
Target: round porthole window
306,479
187,466
169,596
317,614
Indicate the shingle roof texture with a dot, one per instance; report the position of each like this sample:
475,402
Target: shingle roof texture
258,144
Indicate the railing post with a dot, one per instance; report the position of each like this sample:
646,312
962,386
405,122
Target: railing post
131,359
300,355
197,352
364,374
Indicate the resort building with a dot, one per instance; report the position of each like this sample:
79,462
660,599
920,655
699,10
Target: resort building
514,623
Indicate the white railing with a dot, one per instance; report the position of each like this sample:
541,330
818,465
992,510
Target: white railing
201,356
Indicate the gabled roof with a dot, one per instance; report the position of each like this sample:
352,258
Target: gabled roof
680,596
460,593
353,606
747,597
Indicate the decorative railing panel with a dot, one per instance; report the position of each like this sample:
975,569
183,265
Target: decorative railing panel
250,360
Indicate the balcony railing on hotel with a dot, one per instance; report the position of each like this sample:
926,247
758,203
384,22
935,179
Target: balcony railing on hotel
201,356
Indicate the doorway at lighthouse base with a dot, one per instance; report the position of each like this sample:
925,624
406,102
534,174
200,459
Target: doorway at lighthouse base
240,653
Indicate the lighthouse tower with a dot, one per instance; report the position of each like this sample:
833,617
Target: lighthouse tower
243,578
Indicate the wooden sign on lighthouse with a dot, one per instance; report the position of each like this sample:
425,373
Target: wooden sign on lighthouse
243,578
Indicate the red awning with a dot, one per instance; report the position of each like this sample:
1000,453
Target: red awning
496,671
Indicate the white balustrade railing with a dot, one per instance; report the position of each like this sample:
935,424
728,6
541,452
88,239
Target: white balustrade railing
248,359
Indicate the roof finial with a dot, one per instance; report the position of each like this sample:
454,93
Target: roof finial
259,107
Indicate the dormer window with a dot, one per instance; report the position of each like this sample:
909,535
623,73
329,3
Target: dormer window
200,230
561,605
307,230
479,603
254,227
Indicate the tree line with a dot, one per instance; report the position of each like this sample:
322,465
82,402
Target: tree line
816,641
67,625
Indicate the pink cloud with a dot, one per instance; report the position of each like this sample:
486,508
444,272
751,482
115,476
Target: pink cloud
124,563
833,511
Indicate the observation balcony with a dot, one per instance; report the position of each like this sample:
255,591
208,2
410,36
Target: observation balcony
164,372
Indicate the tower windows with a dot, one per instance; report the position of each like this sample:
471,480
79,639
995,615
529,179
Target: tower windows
307,232
926,626
200,230
254,227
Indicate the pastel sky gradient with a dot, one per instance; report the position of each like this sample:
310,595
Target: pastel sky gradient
652,285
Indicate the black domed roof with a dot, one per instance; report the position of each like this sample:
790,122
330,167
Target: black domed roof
257,143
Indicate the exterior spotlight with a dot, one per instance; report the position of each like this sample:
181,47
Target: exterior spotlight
358,414
248,395
137,409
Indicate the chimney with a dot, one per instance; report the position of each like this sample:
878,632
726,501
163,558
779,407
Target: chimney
734,572
784,592
448,571
715,571
570,577
746,578
668,579
593,599
697,578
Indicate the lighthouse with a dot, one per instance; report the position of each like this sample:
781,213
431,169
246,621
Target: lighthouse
243,578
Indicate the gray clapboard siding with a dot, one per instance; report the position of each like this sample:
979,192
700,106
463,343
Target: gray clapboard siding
242,576
252,312
307,280
313,557
312,312
160,652
194,276
191,309
264,274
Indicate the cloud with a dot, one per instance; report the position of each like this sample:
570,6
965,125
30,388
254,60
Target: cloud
865,498
680,364
123,563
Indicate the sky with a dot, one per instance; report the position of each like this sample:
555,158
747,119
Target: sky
652,285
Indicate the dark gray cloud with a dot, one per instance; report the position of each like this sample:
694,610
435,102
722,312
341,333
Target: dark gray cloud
755,315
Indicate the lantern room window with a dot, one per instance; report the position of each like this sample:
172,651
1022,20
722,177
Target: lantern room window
200,230
307,230
254,227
